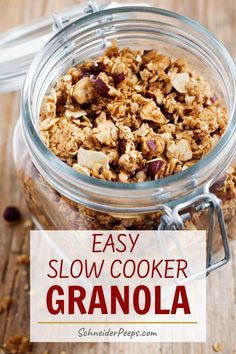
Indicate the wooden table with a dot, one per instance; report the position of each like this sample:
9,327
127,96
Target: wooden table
219,17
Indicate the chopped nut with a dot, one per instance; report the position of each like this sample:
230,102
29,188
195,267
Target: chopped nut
161,62
189,100
141,176
154,168
75,114
180,150
123,176
218,347
132,161
83,91
157,95
149,55
107,133
150,112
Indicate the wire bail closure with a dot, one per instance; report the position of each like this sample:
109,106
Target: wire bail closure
60,22
174,220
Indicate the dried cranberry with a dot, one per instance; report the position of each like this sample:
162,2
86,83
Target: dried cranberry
154,167
168,115
214,98
11,214
99,68
152,146
118,78
85,105
100,170
94,70
187,111
101,87
122,146
84,72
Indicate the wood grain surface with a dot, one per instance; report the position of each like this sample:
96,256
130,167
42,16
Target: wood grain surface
219,16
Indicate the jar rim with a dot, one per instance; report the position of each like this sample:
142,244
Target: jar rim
52,161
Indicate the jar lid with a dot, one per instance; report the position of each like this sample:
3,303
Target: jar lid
19,45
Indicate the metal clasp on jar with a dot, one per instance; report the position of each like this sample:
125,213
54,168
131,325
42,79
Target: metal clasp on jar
175,218
60,22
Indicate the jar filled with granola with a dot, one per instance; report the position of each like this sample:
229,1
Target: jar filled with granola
128,122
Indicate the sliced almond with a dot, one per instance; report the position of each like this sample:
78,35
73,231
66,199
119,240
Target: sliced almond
48,123
75,114
189,100
81,169
142,131
179,82
106,132
166,136
89,158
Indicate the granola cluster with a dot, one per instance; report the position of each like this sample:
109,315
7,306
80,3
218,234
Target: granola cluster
5,303
131,116
53,211
17,344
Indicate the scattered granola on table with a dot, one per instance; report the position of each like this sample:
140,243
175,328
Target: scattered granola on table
17,344
131,116
23,259
218,347
5,303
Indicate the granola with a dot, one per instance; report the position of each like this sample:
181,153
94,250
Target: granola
128,117
131,116
53,211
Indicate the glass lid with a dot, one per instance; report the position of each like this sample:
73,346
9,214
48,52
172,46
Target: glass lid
19,45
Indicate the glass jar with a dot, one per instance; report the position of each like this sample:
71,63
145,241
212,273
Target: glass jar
61,198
